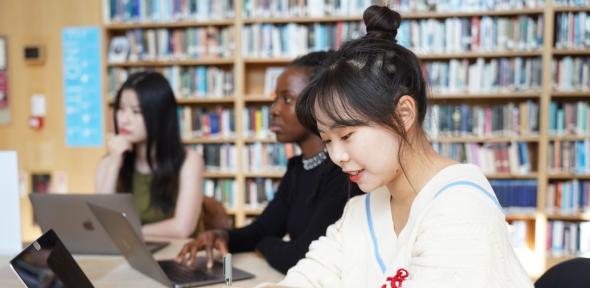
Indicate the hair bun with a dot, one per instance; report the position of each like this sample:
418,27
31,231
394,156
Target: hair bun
381,22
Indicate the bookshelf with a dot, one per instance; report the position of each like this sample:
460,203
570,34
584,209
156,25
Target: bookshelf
534,52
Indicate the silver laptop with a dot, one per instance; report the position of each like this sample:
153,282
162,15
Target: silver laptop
69,216
167,272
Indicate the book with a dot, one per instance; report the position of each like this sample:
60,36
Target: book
119,49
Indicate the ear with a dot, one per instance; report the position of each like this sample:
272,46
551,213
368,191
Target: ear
406,111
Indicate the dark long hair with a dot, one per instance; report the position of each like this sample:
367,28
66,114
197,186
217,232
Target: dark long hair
159,111
363,81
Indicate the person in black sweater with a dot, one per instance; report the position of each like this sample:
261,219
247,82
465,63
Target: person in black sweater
310,197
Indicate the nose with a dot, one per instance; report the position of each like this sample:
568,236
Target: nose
338,154
274,108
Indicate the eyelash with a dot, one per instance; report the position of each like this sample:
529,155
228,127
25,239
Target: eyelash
344,138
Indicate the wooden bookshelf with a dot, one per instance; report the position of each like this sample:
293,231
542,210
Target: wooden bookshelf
569,137
209,140
472,55
571,52
486,139
573,94
281,60
511,176
258,99
219,175
569,217
249,77
270,174
196,101
488,96
166,63
571,9
162,25
566,176
302,20
520,216
443,15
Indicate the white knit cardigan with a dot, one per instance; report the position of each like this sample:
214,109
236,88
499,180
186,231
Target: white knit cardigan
456,236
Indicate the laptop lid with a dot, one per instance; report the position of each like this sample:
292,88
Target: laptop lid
10,242
47,263
69,216
129,243
166,271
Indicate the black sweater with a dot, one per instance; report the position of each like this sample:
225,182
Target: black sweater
306,203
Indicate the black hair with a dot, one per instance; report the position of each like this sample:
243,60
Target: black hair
313,60
363,81
159,111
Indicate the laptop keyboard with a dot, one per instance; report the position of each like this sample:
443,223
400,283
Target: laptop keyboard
179,273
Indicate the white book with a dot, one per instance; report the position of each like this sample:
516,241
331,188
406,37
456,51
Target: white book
119,49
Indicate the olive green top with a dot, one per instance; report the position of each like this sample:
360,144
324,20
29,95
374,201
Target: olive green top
149,213
141,194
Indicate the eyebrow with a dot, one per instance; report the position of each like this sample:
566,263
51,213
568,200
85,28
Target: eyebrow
333,126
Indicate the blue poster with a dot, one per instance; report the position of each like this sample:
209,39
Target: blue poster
82,87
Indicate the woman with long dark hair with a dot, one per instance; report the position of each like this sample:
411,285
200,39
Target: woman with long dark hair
146,157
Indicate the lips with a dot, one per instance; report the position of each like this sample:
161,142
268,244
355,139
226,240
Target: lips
355,175
124,131
274,127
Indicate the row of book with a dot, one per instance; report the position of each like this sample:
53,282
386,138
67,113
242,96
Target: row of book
484,75
291,40
256,122
572,30
568,238
569,157
571,73
511,158
299,8
223,190
211,122
571,3
172,44
268,157
167,10
472,34
569,118
568,197
259,191
220,158
196,82
516,196
462,6
483,120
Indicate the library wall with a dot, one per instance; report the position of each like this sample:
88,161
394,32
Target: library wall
25,22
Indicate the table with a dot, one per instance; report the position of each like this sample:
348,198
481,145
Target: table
114,271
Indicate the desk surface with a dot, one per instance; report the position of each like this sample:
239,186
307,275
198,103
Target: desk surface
114,271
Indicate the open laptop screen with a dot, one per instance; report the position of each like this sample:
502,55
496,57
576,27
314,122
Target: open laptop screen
47,263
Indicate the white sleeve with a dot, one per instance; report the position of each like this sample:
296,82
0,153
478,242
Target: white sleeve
463,242
321,266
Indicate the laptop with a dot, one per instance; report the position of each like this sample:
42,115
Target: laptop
167,272
47,263
69,216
